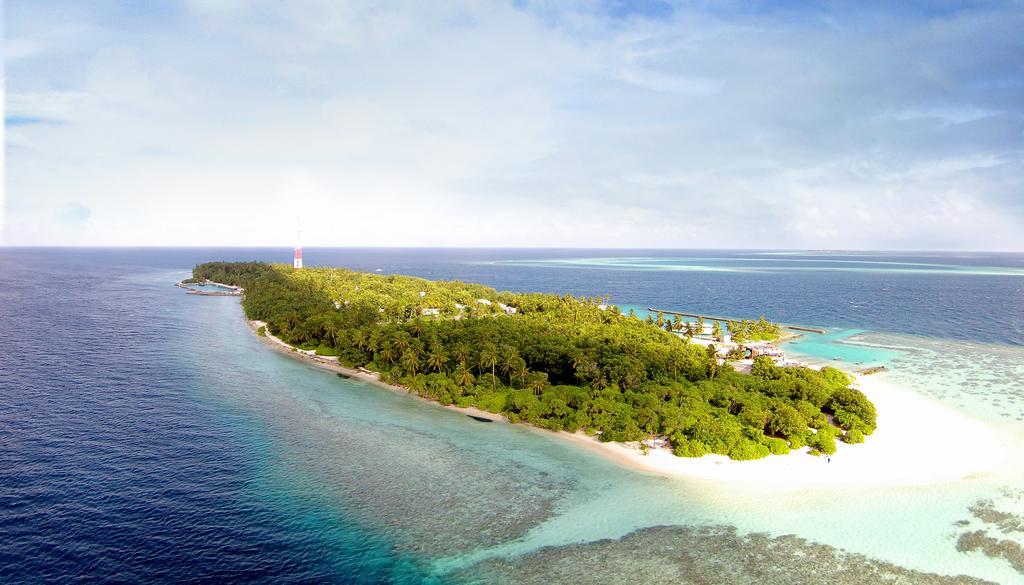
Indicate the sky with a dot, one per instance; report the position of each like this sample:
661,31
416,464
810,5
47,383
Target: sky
728,124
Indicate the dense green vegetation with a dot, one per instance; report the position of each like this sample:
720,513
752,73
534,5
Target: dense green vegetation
760,330
557,362
746,330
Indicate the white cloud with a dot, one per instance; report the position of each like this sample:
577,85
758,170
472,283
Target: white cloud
484,124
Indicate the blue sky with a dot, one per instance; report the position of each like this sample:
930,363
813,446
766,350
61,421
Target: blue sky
871,125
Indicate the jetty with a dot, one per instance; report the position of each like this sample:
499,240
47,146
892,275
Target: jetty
229,290
727,319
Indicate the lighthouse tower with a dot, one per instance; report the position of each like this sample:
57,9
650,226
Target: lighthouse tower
297,263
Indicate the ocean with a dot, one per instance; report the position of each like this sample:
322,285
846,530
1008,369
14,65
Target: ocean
147,436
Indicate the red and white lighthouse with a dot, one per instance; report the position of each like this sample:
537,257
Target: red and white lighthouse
297,263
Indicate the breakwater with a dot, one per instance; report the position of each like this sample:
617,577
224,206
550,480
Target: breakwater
228,290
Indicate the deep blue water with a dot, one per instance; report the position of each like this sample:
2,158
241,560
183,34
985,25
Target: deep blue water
113,464
120,458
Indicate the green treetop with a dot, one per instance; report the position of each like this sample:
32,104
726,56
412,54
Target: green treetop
557,362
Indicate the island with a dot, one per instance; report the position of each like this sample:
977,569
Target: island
557,362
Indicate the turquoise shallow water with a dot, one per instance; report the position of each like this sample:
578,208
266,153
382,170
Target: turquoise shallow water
517,492
512,491
840,346
156,439
984,380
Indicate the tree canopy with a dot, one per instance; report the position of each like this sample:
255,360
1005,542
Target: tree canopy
555,361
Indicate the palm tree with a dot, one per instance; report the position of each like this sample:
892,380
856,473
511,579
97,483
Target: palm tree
538,382
675,361
489,359
712,354
417,385
291,319
508,361
578,359
463,377
462,352
402,341
520,370
360,339
418,327
411,361
386,353
374,341
584,367
437,359
332,334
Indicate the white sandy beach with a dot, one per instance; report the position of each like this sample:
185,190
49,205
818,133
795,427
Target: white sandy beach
919,441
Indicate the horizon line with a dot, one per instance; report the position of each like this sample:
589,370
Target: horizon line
724,249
